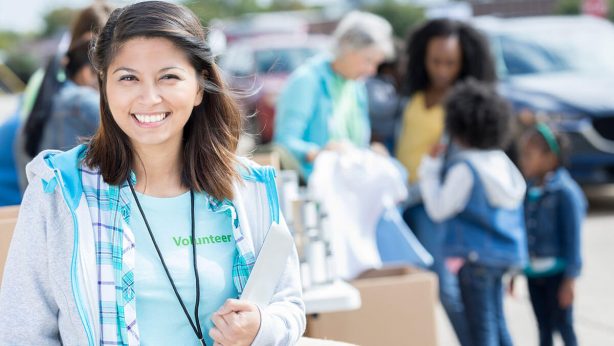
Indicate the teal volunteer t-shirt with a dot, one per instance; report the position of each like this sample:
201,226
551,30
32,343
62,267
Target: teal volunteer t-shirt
161,320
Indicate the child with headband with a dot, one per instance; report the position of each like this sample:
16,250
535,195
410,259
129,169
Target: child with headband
554,210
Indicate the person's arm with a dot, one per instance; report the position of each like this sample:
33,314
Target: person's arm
444,200
295,110
28,310
363,105
572,208
281,323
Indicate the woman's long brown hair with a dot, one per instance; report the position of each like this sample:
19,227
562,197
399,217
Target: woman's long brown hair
211,134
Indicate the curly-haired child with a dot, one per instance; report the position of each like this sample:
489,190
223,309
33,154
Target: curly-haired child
476,192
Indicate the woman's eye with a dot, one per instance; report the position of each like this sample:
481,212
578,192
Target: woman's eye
127,78
170,76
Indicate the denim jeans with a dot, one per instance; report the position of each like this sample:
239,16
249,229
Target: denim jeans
482,291
432,236
550,316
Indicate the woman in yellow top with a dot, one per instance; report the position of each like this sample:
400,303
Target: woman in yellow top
441,52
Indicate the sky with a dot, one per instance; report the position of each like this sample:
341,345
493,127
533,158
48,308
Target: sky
27,15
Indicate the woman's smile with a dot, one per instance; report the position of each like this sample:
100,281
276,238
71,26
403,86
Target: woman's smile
149,120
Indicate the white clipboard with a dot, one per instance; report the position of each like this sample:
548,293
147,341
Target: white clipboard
269,266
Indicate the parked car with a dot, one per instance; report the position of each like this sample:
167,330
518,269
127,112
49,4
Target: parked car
561,70
257,69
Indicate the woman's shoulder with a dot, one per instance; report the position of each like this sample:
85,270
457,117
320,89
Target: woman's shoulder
258,183
253,174
52,167
312,71
41,167
73,94
250,170
418,95
415,106
47,187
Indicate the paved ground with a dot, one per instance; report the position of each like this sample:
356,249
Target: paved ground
594,297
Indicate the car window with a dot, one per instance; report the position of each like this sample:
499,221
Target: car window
581,45
524,57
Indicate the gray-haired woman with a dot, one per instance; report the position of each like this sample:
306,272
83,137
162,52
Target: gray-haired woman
324,103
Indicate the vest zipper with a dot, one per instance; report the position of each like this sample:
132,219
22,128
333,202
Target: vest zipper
73,266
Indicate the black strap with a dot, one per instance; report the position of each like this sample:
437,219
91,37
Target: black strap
195,326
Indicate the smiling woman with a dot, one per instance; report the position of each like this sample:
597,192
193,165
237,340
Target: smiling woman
163,67
152,91
160,172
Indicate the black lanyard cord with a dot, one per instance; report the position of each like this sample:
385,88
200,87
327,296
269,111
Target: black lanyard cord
195,327
199,334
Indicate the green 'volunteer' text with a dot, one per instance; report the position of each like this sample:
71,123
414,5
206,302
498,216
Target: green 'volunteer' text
212,239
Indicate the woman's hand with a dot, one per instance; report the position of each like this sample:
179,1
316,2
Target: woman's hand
311,155
339,146
511,286
437,150
566,293
454,264
380,148
236,323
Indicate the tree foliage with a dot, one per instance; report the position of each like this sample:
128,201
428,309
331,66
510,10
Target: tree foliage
58,19
568,7
23,65
402,16
210,9
8,39
286,5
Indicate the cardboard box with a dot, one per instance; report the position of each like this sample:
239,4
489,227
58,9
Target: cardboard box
8,219
9,212
398,308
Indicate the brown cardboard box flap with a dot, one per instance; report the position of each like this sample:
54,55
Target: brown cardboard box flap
398,308
6,233
389,271
320,342
9,212
8,220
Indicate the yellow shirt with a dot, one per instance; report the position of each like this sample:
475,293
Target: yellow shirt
422,129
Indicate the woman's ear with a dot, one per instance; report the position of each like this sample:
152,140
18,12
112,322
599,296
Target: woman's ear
201,89
198,99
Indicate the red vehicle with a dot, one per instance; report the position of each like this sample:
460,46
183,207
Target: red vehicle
257,69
